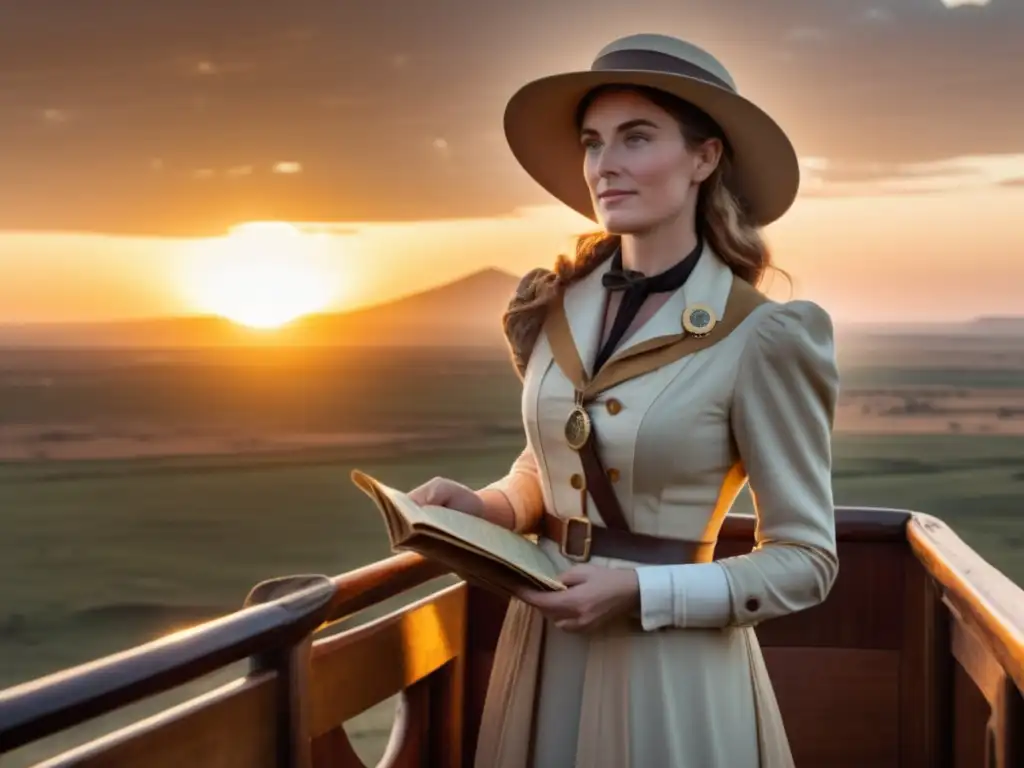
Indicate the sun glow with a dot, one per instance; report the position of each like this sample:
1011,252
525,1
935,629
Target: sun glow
262,275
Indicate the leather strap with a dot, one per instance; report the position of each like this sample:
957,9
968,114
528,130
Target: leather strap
599,485
572,536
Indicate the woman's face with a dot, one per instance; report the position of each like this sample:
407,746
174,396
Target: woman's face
640,171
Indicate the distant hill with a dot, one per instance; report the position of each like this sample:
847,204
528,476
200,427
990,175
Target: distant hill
1012,325
986,326
465,312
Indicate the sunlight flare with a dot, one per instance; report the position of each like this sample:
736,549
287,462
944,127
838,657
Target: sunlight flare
262,275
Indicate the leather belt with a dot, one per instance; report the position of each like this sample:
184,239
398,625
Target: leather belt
579,539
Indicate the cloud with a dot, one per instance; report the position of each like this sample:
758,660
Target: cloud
828,178
241,171
877,15
287,167
800,35
927,84
54,116
442,148
329,228
885,91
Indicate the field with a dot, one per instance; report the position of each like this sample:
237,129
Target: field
140,493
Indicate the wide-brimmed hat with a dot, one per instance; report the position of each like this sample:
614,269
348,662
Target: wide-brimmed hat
540,122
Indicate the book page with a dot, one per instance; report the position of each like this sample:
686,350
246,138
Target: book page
397,524
482,535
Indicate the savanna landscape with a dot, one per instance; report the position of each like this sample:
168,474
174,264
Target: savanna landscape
145,489
249,246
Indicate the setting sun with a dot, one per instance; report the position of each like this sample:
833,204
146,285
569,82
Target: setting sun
262,275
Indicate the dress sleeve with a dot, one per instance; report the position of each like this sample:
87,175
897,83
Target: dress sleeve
782,414
521,487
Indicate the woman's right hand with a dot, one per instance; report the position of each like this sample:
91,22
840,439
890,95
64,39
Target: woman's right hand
442,492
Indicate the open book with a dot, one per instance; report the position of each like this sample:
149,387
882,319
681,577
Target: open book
475,549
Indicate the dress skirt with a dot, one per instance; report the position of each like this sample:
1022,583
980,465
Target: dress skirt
623,697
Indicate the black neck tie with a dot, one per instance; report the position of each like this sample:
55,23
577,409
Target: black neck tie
637,287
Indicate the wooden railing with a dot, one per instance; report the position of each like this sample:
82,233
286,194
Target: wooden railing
915,659
266,718
984,614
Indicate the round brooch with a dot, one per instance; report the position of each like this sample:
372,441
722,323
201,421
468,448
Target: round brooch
699,320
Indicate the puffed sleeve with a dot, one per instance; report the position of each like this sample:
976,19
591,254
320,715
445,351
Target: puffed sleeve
782,416
783,405
521,488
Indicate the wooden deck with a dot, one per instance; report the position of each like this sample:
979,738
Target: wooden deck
915,659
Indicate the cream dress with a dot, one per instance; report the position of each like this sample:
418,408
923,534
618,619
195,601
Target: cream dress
688,688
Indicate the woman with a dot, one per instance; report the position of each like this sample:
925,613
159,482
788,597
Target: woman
648,402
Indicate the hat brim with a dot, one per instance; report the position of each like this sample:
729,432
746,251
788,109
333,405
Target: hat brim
540,130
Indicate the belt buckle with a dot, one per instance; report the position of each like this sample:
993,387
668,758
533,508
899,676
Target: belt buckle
584,521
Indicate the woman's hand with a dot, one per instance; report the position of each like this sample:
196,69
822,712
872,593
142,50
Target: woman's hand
489,505
595,596
442,492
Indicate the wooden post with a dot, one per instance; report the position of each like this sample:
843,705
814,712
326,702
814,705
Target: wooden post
292,665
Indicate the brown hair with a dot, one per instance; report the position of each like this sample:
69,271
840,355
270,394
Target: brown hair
722,219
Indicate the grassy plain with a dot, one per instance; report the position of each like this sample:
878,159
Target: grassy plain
141,493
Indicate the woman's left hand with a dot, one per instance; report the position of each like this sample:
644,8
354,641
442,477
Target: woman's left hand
595,595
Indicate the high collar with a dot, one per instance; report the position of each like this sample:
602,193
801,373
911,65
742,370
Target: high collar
584,302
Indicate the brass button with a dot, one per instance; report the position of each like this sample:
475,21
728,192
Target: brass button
753,604
577,481
613,474
613,406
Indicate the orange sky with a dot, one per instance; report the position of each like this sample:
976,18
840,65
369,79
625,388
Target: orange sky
908,257
169,123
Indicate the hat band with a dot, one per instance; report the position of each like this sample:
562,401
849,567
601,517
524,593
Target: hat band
655,61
